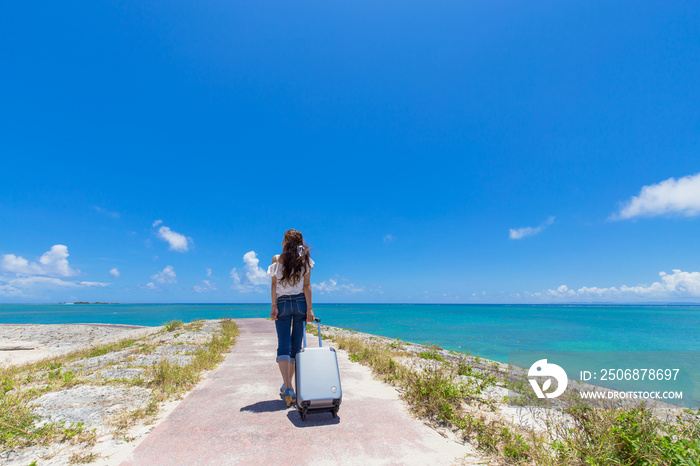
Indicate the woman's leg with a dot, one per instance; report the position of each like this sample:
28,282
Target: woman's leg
283,326
298,322
286,369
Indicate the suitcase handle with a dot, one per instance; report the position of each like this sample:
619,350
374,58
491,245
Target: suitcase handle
320,343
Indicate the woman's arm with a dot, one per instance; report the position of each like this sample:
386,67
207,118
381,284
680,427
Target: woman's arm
307,296
273,293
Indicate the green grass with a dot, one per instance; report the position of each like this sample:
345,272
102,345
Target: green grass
173,325
169,378
431,355
630,436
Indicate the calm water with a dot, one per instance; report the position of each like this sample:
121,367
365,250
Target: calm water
487,330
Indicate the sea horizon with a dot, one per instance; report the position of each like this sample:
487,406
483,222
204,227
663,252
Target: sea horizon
491,330
588,304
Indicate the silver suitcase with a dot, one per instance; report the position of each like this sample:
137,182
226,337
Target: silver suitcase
317,379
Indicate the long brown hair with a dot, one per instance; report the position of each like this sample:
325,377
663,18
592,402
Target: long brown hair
295,257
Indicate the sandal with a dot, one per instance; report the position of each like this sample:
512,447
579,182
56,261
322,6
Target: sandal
289,397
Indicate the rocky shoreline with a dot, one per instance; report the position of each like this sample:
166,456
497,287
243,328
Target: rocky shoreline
102,395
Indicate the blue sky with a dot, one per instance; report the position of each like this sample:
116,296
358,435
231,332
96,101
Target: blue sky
429,151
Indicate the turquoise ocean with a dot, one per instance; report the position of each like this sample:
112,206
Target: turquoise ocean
491,331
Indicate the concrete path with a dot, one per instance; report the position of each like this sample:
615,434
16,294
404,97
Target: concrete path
237,417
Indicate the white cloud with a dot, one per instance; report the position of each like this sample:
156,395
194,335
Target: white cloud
177,241
150,286
52,263
254,275
56,282
47,273
520,233
157,222
389,238
677,285
671,196
167,275
115,272
237,285
208,272
205,287
21,286
241,286
332,285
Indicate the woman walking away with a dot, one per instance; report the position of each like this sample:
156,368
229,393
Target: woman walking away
291,304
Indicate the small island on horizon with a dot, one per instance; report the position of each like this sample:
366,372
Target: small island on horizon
87,302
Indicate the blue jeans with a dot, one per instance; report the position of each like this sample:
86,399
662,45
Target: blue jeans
290,326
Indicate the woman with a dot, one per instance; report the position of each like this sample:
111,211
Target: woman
291,303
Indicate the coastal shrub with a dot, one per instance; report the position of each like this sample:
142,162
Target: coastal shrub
18,426
396,344
7,384
434,393
173,325
16,421
431,355
514,445
463,367
627,436
378,357
170,377
68,377
72,430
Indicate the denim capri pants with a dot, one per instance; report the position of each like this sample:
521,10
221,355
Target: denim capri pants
290,326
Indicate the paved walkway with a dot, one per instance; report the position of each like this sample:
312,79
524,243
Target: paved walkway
237,417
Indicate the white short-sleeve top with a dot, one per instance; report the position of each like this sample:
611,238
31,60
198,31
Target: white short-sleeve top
284,288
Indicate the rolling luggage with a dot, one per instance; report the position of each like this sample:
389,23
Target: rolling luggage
317,379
